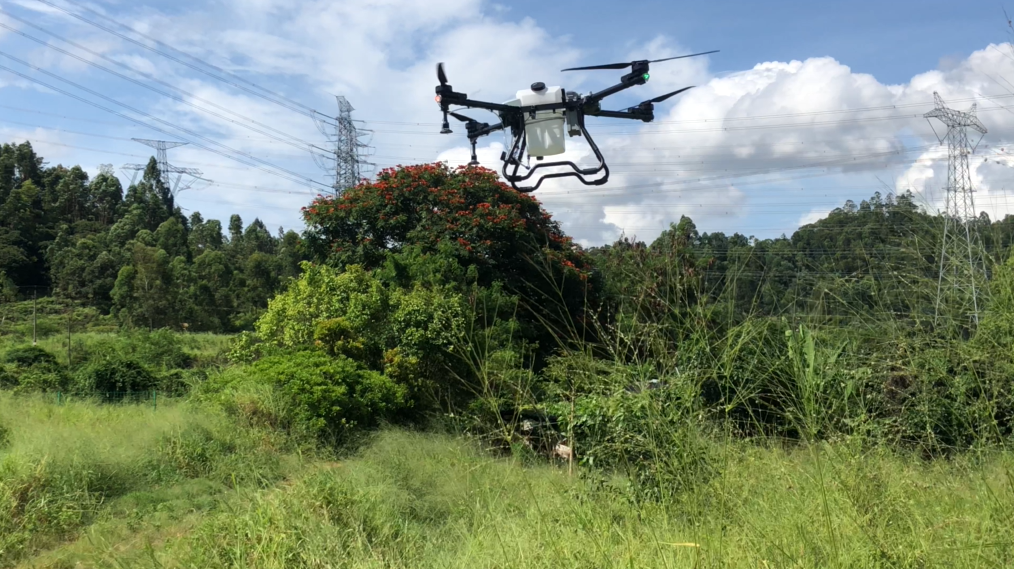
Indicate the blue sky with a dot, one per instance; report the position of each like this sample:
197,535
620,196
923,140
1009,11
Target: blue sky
892,40
808,103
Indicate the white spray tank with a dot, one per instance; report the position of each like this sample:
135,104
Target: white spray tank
544,132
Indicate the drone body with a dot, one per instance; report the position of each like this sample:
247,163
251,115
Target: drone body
540,119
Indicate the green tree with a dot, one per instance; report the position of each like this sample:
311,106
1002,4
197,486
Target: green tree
463,226
143,293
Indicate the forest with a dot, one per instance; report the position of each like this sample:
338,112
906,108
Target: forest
432,373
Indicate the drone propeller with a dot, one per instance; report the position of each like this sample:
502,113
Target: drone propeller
445,128
661,98
625,65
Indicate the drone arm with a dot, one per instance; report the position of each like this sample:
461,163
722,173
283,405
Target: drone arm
496,107
639,116
488,129
626,82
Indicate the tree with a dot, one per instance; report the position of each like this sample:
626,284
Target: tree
429,222
106,198
143,293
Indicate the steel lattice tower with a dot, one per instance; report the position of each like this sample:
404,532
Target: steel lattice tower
349,149
962,277
166,170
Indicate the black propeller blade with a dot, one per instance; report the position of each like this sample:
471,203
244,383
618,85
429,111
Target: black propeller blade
661,98
625,65
461,118
441,76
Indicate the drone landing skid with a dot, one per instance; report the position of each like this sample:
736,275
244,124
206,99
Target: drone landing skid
581,174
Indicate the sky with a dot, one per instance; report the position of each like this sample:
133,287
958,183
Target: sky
807,105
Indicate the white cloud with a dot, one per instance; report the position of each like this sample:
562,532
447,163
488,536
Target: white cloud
723,153
813,216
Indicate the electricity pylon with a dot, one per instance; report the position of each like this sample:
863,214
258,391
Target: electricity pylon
962,279
165,168
349,151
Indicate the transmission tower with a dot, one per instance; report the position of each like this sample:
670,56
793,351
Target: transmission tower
962,277
166,170
349,151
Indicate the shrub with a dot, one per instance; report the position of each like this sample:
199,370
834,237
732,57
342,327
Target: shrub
32,369
5,436
244,349
323,293
179,381
331,396
42,378
620,419
114,374
191,452
161,348
28,356
7,379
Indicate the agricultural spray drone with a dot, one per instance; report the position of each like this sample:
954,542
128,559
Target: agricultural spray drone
536,120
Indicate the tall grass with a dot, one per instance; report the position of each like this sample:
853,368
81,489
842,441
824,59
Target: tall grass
413,500
61,466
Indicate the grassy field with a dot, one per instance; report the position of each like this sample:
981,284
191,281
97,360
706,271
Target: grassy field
83,485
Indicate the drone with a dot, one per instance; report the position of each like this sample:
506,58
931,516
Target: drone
537,118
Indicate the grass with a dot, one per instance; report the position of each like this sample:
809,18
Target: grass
413,500
125,486
103,473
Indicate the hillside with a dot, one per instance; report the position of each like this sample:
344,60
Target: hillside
434,374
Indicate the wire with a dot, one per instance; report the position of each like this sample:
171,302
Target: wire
89,134
293,141
293,175
278,99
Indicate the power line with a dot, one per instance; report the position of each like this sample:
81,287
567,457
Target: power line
291,140
261,92
278,169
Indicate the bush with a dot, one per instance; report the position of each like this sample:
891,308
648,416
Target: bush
28,356
179,381
191,452
329,397
162,349
114,374
7,379
244,349
322,293
42,378
32,369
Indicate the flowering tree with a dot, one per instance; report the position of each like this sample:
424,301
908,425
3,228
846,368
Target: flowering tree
429,215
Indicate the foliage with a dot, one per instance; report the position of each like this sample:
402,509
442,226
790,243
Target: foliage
132,253
114,373
27,356
351,314
321,294
245,348
32,368
330,396
431,225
